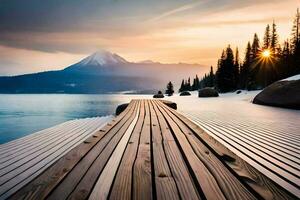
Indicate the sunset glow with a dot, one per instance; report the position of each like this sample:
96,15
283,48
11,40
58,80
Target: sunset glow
187,31
266,53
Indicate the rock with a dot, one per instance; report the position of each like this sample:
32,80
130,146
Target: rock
121,108
285,94
159,95
185,93
239,92
208,92
170,104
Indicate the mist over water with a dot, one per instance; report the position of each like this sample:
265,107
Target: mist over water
23,114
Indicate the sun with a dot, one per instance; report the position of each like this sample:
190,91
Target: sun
266,53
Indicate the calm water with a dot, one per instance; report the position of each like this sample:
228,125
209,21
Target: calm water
23,114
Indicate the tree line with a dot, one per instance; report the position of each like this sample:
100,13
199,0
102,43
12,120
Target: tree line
264,63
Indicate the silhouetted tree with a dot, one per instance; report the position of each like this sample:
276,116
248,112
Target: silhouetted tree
236,68
170,89
226,69
245,68
181,89
255,71
255,48
295,43
211,78
274,40
267,38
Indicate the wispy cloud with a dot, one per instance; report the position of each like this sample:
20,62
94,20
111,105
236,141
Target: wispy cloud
176,10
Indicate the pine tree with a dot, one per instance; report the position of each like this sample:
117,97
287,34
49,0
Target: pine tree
197,82
255,48
181,89
296,33
189,84
285,67
236,67
267,38
220,72
274,40
225,74
295,43
245,68
211,77
170,89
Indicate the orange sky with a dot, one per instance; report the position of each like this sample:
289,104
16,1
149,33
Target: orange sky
188,31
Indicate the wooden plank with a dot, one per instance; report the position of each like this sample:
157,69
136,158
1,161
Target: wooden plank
261,184
284,160
80,181
40,187
30,161
7,157
290,153
30,169
259,164
142,180
262,158
281,141
30,158
183,179
203,176
34,136
19,146
103,184
29,174
122,186
164,181
231,187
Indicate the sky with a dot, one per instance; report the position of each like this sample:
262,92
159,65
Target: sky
40,35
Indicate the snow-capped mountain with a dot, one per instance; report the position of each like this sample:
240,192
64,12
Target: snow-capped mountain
102,58
101,61
101,72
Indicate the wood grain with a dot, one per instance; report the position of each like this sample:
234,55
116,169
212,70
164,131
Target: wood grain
121,188
142,180
247,174
41,186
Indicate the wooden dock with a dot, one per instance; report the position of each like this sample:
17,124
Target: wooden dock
150,151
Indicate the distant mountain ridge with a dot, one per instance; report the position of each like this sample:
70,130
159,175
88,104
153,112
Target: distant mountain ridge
101,72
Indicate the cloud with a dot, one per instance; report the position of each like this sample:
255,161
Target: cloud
162,30
176,10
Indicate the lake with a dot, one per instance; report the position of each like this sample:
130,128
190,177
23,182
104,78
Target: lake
22,114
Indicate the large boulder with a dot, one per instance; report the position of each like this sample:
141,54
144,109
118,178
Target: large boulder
185,93
121,108
208,92
284,94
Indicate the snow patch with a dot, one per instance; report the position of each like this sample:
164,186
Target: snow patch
292,78
102,58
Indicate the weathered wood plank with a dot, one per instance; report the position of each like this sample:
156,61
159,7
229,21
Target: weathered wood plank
10,146
37,165
204,177
177,164
16,155
25,161
80,181
142,180
123,182
164,181
103,184
261,184
231,187
40,187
